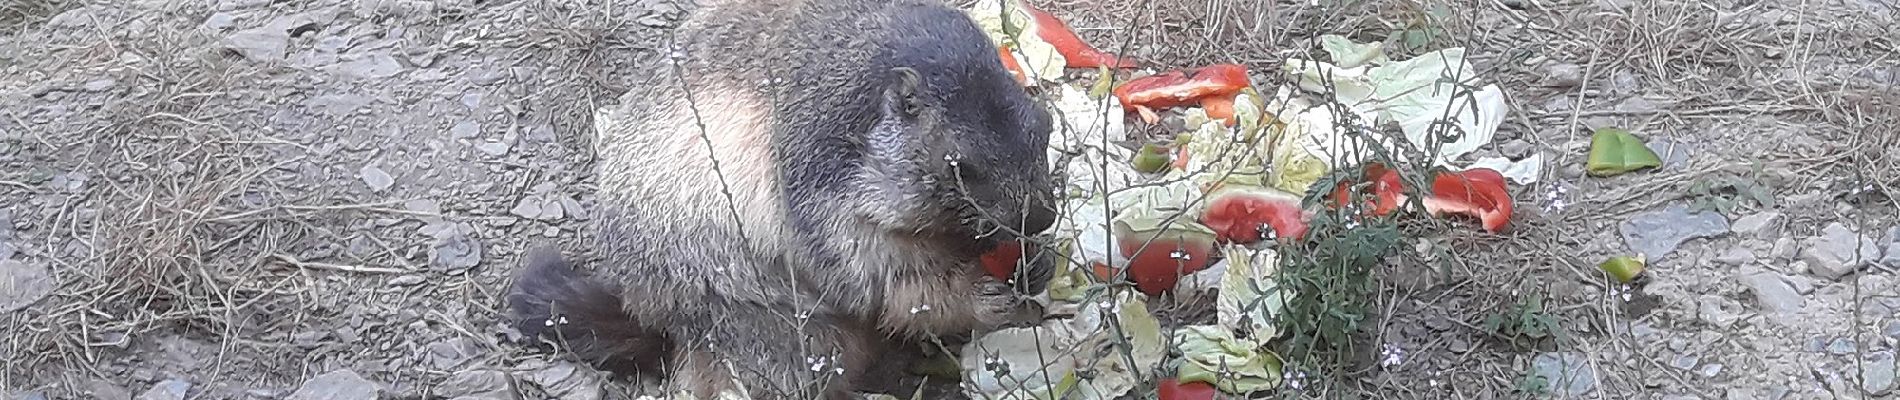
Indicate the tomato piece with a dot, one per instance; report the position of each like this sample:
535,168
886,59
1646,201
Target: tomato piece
1171,389
1078,53
1386,188
1237,214
1158,266
1183,87
1000,262
1478,192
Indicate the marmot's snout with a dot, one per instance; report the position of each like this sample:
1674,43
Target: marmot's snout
1039,213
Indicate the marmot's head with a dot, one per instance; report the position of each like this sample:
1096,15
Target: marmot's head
959,149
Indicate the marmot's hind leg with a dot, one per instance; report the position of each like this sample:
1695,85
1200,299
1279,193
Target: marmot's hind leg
550,300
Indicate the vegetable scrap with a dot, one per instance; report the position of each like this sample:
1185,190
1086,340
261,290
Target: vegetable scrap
1031,39
1624,268
1478,192
1172,389
1206,208
1615,152
1213,355
1079,53
1001,262
1185,87
1249,214
1007,54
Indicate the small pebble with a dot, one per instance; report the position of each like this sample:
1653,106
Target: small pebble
406,280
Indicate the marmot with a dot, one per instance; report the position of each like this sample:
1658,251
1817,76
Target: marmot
871,151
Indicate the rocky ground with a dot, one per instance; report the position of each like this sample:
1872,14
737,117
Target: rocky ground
243,199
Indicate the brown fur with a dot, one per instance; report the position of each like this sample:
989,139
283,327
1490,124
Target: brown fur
835,124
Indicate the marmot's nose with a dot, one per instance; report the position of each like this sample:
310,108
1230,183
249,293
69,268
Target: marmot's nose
1038,215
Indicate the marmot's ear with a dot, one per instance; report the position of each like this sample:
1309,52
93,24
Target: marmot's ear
900,92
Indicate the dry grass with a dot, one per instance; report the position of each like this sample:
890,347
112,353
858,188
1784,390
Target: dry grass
137,248
18,15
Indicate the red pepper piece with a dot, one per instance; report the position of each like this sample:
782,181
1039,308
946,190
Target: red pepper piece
1220,108
1477,192
1009,63
1181,88
1078,53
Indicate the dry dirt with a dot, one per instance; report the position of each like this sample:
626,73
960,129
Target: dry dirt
246,199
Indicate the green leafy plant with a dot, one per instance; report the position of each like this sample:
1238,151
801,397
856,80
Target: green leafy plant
1524,322
1725,193
1533,384
1417,32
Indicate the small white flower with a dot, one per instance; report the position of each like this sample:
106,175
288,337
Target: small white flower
1391,355
921,308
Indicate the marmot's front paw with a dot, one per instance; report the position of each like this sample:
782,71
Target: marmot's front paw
1034,271
998,304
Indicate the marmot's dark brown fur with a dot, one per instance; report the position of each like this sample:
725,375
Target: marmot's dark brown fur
871,149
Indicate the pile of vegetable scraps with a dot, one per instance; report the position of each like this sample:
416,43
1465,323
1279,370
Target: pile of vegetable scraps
1203,209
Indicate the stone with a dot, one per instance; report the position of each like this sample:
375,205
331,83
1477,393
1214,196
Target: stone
374,66
450,353
1839,251
1773,294
1718,311
1785,249
479,384
465,129
564,380
1658,232
1710,370
263,44
377,179
1674,153
339,384
220,21
1515,149
527,208
1840,346
423,206
493,148
1685,362
456,252
1568,373
169,389
105,390
1738,255
1760,225
406,280
22,284
1563,75
99,85
1877,376
1890,257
